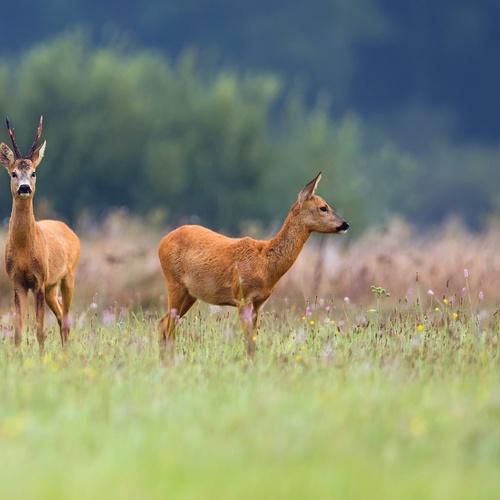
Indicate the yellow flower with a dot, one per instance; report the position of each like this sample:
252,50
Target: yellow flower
63,356
304,347
455,315
90,372
437,309
47,358
29,363
14,426
303,317
416,426
311,322
298,357
333,321
445,301
420,328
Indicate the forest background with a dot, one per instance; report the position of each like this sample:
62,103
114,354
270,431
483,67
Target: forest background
218,111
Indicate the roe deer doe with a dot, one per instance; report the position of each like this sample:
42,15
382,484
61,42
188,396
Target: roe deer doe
40,256
200,264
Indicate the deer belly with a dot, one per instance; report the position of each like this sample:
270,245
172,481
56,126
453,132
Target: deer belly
211,289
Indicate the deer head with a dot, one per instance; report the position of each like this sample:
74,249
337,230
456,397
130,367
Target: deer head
315,213
22,169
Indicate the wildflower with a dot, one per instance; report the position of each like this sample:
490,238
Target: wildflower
464,291
47,358
90,372
455,315
420,328
416,426
29,363
298,357
245,314
481,296
347,301
466,273
304,347
445,301
436,309
308,311
327,308
254,338
430,292
303,318
311,322
14,426
371,310
108,317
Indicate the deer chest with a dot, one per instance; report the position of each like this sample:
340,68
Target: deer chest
27,273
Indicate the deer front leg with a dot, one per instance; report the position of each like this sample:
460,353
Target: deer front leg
20,296
248,318
167,334
40,315
178,306
67,288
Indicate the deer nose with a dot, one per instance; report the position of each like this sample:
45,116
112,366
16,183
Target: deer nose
343,227
24,189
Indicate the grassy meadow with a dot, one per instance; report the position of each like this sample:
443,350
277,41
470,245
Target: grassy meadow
352,393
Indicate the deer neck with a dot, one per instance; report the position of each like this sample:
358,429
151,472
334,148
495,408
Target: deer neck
22,224
286,246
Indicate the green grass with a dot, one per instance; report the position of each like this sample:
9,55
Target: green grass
356,405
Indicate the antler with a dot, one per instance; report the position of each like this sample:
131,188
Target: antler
11,133
37,138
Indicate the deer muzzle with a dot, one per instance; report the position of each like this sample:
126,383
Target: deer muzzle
24,190
343,227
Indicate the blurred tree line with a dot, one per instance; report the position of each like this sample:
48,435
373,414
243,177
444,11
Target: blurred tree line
192,141
127,128
373,57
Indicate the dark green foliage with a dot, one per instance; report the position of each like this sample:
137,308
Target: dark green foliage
176,143
130,129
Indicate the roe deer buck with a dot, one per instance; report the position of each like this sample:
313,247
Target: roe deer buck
40,256
200,264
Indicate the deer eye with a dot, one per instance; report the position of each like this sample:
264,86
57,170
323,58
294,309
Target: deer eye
33,174
14,175
324,209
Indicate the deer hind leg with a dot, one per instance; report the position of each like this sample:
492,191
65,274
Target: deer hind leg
20,298
54,304
178,305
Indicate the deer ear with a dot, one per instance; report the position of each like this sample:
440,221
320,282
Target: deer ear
38,154
309,189
6,156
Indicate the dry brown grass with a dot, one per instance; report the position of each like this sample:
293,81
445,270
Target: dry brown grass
119,265
405,263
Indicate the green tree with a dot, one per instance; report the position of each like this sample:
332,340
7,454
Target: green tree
128,128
